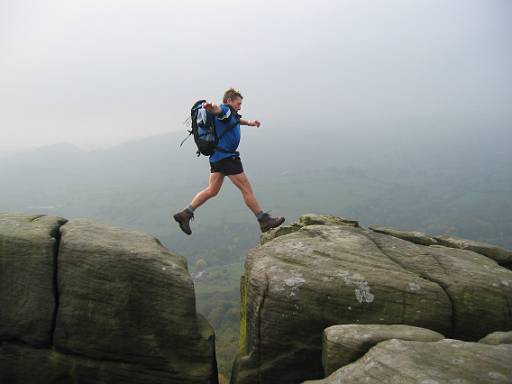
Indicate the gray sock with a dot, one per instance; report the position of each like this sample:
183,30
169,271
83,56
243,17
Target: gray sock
190,208
259,215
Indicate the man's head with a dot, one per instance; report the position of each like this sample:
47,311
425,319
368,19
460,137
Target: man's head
233,98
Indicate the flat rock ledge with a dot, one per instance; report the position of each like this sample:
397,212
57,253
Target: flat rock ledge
416,362
344,344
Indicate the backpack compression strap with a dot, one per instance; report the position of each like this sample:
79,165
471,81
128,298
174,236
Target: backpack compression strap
188,121
185,139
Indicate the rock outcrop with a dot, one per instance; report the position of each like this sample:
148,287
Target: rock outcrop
344,344
28,253
496,338
415,362
90,303
501,255
324,270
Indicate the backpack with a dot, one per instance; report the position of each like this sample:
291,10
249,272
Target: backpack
203,128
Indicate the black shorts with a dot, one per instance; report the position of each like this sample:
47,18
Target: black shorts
228,166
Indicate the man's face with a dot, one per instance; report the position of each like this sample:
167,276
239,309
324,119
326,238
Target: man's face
236,103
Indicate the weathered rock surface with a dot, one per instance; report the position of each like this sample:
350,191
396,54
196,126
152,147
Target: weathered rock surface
413,362
496,338
307,219
412,236
22,364
323,272
122,309
343,344
500,255
28,249
479,289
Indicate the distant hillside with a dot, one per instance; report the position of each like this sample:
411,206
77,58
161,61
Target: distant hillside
438,178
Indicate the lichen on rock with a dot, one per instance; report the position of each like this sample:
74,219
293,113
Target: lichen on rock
321,271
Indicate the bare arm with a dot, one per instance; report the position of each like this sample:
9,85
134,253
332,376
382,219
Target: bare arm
252,123
213,108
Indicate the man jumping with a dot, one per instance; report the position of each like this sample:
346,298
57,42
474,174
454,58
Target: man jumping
227,163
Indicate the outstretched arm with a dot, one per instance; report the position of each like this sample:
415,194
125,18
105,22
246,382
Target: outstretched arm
213,108
252,123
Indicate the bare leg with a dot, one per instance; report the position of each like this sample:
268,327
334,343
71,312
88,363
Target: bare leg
242,182
214,184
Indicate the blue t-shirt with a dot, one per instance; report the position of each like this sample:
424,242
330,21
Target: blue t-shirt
231,139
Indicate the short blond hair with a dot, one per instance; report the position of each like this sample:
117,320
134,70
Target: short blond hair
231,93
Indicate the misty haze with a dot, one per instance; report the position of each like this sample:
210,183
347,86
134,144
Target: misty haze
393,113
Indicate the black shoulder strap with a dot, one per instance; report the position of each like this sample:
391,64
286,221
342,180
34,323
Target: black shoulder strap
230,127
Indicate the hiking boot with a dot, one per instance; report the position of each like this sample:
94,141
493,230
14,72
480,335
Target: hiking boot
183,219
267,222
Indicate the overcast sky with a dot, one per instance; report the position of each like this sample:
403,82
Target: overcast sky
99,72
